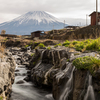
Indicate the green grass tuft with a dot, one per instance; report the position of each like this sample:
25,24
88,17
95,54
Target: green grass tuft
26,46
87,62
48,48
58,45
41,45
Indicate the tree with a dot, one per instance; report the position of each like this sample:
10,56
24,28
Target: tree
3,32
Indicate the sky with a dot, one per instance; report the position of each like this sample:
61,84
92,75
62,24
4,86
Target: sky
72,11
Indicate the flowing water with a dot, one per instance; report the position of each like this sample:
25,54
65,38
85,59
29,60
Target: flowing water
90,92
68,87
27,90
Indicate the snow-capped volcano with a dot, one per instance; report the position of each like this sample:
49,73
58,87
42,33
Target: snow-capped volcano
31,21
39,16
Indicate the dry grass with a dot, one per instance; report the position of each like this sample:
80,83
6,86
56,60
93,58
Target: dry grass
2,38
2,48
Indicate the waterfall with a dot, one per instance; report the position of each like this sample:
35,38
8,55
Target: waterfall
68,87
53,58
40,59
62,73
90,92
42,54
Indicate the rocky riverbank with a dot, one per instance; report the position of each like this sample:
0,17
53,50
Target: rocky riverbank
7,68
50,67
54,68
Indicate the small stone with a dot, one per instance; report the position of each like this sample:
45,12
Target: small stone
16,70
20,82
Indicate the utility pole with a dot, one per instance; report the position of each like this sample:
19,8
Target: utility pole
96,12
86,19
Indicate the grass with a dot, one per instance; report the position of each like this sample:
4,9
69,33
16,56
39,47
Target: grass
34,63
83,45
88,62
66,43
41,45
26,46
48,48
2,48
1,98
58,45
32,54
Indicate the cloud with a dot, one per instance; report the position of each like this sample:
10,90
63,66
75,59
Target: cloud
59,8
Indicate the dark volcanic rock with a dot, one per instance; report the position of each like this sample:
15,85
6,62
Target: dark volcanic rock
20,82
27,79
54,68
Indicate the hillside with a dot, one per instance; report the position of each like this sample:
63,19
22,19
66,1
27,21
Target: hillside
82,33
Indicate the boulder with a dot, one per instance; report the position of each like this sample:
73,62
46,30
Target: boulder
20,82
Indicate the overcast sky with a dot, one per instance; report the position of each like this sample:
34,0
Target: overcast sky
64,9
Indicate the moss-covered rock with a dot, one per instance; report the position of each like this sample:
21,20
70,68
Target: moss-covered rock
88,62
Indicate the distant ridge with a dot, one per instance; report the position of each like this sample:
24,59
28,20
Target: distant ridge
31,21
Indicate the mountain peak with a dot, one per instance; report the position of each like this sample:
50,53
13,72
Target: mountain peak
39,16
32,21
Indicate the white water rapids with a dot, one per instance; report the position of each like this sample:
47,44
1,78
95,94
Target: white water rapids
27,90
90,92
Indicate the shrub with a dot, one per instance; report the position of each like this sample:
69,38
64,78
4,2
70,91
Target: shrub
48,48
93,45
32,54
79,47
31,42
75,42
87,41
58,45
71,45
88,44
41,45
35,42
5,39
1,98
66,43
87,62
26,46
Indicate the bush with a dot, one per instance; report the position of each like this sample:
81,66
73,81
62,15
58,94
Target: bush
32,54
41,45
75,42
1,98
79,47
93,45
48,48
31,42
58,45
26,46
66,43
87,62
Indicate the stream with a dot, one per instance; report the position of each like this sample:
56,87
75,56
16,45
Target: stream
22,90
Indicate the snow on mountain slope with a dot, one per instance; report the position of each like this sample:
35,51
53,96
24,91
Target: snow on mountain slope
31,21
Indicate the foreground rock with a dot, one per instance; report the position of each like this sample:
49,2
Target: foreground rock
7,68
54,68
